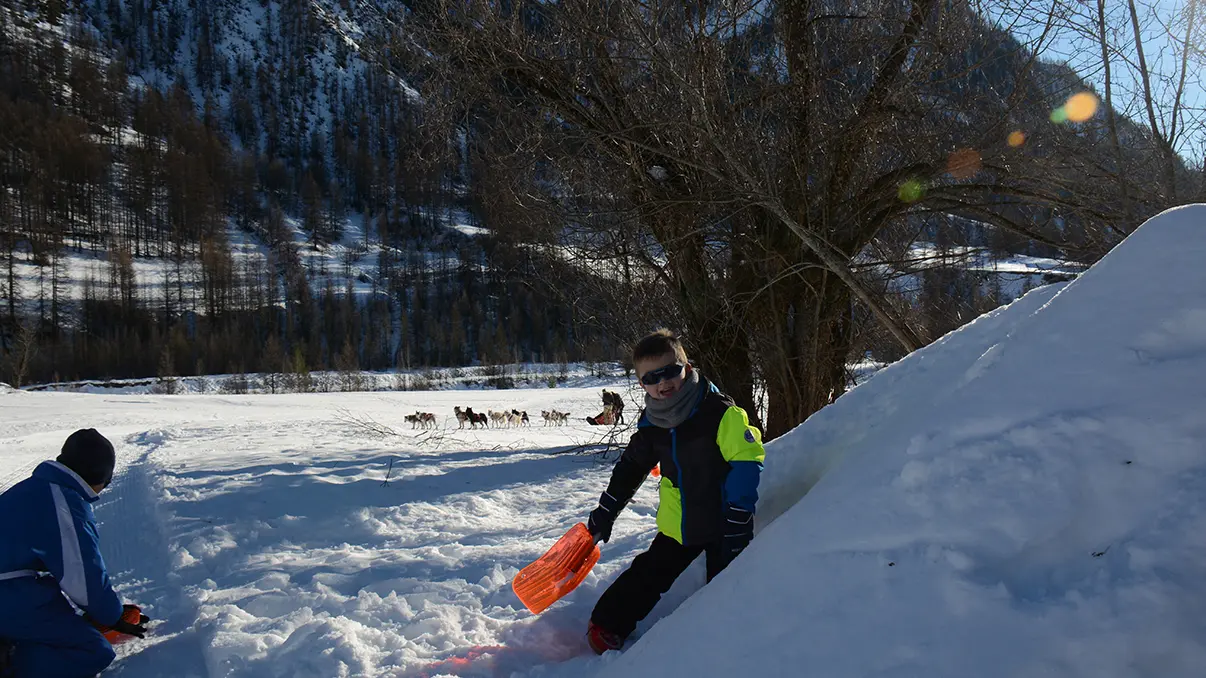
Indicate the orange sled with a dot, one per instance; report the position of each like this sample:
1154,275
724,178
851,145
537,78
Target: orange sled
558,571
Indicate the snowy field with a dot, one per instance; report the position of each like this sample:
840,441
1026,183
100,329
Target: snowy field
259,531
1026,498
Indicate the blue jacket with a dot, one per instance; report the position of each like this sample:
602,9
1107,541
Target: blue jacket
47,526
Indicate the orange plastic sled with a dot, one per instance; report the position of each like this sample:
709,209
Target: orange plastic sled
558,571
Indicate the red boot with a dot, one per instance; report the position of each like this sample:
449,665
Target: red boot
601,640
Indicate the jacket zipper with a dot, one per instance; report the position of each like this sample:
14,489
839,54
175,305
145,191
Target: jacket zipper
682,524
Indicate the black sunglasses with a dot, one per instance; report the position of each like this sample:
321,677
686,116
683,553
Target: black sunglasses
655,377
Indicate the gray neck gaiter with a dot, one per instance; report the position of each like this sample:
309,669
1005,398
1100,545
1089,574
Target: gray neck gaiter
676,409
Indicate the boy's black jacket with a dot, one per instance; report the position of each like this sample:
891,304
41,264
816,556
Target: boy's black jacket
693,464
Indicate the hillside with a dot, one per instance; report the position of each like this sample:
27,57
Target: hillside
185,179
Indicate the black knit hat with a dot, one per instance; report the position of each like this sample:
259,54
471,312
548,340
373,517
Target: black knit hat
90,455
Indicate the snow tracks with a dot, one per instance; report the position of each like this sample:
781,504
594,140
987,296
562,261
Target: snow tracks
136,550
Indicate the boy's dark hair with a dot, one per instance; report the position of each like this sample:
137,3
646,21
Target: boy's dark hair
90,455
659,344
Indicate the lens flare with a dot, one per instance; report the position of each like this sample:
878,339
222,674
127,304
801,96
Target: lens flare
1080,107
1059,115
963,163
910,191
1016,138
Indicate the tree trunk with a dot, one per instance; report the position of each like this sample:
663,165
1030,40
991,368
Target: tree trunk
724,357
716,342
1111,118
805,342
1162,142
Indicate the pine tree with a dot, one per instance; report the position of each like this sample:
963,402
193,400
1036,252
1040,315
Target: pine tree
166,372
314,218
335,215
271,361
347,363
301,373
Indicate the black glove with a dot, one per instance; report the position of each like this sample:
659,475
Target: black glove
738,531
603,517
138,630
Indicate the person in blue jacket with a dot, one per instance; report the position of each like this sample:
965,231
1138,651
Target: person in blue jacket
50,554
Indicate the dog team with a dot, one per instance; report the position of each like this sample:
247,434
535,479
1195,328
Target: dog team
466,415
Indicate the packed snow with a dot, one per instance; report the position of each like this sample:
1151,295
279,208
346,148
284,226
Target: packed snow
1024,497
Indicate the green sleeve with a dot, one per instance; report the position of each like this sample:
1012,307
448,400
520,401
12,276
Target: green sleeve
738,440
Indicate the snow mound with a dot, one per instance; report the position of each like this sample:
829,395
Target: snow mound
1024,497
5,388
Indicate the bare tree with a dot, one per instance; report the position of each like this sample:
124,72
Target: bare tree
748,153
24,351
1149,62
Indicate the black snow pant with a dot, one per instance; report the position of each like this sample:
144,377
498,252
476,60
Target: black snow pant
631,597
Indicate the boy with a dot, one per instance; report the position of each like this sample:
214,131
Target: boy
49,547
710,459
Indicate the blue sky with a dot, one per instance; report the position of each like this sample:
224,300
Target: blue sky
1162,30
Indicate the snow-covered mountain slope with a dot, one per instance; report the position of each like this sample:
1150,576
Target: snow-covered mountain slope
314,55
1025,497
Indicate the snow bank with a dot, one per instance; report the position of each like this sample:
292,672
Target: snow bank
1025,497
